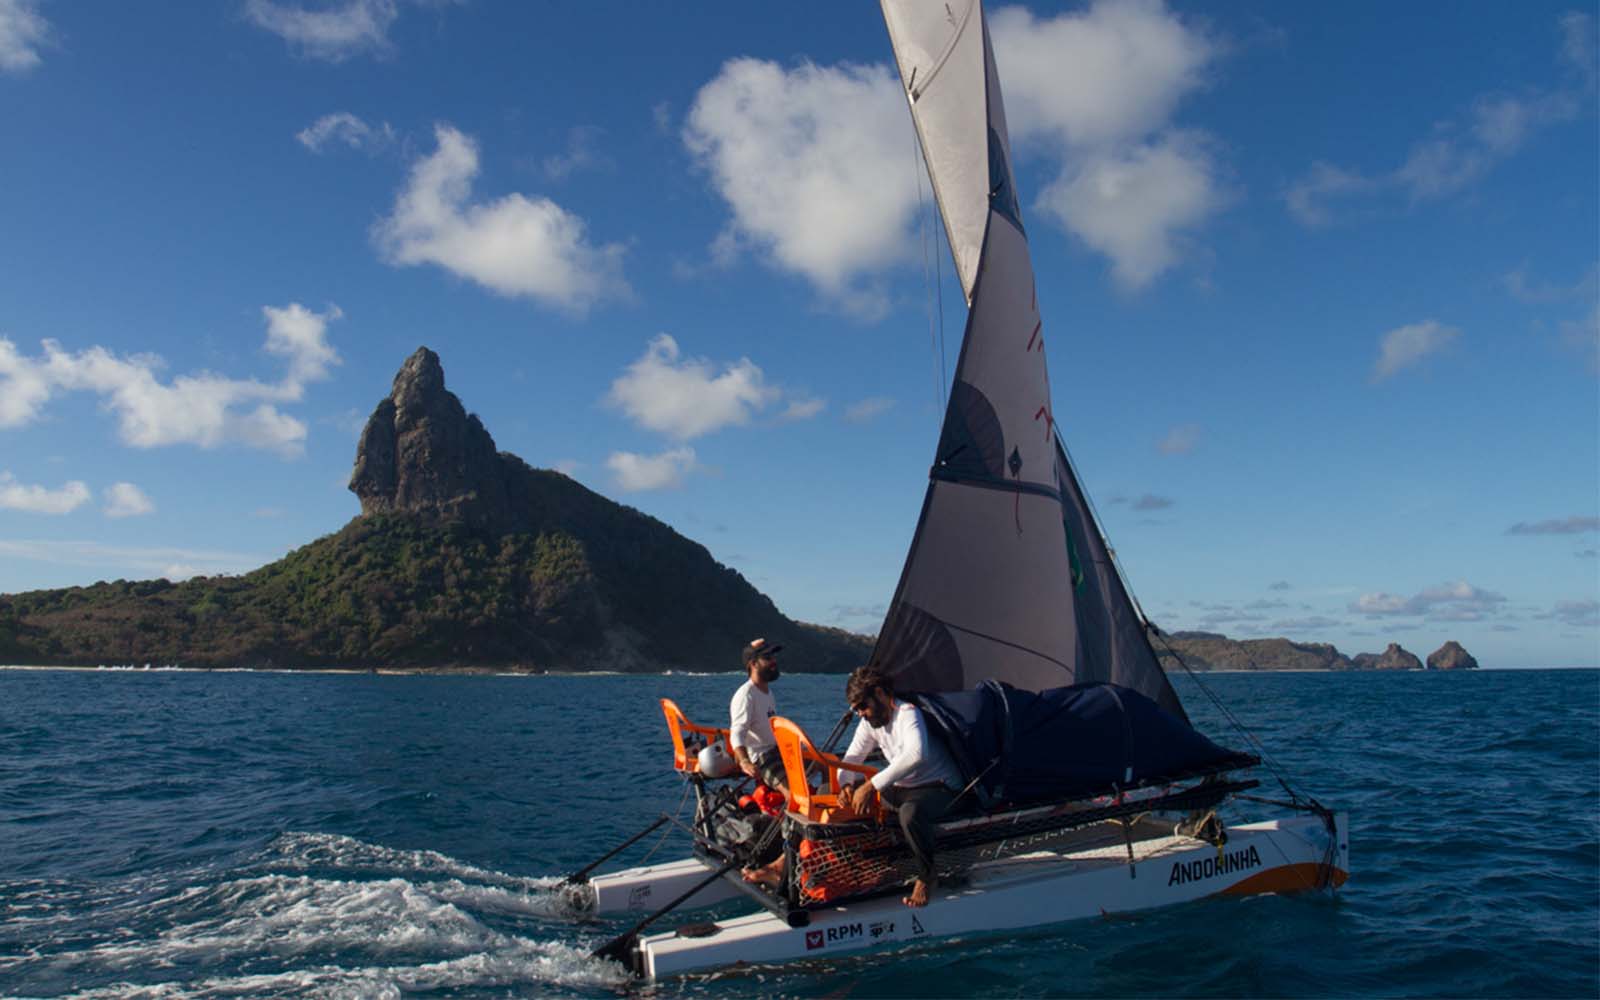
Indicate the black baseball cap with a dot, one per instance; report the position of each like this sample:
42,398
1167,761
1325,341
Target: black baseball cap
758,648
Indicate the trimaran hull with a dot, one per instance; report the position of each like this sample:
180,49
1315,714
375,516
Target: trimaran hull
1027,891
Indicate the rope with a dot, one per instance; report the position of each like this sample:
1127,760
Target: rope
1278,773
666,831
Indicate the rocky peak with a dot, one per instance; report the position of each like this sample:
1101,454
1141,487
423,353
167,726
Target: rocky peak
1392,658
421,452
1451,656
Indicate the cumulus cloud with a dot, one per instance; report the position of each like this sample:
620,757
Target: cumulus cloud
684,398
1461,151
1180,440
515,246
867,409
636,473
34,499
334,33
23,31
812,161
1405,346
346,129
297,333
1098,90
126,500
202,409
1459,601
1575,525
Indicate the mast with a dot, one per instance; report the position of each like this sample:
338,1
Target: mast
1008,577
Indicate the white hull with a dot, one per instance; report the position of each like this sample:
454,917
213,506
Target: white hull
1032,890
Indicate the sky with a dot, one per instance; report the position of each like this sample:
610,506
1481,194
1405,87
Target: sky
1320,288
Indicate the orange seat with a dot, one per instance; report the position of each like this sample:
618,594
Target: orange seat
678,724
797,750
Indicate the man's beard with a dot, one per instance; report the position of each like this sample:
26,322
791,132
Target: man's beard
768,674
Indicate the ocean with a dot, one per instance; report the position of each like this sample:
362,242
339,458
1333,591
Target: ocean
186,834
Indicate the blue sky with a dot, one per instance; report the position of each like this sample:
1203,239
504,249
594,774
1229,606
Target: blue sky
1319,288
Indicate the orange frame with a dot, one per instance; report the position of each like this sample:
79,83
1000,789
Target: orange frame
796,749
678,724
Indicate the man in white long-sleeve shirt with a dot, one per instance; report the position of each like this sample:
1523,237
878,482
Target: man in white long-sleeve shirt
920,781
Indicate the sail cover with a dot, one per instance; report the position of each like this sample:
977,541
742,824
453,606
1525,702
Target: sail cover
1008,578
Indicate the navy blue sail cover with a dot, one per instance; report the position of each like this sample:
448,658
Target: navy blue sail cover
1069,742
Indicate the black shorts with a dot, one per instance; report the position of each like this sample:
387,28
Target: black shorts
769,765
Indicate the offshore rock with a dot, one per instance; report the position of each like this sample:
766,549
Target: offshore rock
1393,658
422,453
1451,656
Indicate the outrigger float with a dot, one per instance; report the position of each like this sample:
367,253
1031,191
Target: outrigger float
1088,790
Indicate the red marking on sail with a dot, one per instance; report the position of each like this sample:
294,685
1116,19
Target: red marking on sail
1049,420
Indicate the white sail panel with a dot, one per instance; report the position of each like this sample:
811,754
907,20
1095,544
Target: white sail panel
940,50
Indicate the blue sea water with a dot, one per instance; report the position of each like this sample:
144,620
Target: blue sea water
180,834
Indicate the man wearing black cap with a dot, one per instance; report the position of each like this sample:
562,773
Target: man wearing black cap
750,713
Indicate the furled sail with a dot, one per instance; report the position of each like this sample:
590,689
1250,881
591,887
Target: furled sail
1008,577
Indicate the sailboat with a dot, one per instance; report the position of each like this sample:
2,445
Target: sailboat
1011,620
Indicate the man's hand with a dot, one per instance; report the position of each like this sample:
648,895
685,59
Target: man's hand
861,796
748,767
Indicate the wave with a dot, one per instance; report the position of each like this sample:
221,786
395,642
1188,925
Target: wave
310,914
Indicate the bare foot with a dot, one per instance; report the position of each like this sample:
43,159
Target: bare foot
765,875
919,893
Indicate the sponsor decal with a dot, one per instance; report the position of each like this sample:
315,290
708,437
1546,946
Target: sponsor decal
1210,867
837,934
636,897
916,926
881,928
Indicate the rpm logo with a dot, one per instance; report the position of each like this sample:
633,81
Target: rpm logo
835,935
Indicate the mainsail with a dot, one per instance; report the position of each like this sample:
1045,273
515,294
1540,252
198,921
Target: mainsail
1008,577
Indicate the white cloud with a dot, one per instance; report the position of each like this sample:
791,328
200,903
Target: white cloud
344,127
1134,205
334,34
687,398
297,333
634,473
1098,90
1460,152
1180,440
867,409
40,499
1459,601
22,31
126,500
203,409
1404,346
803,408
815,164
1111,74
515,246
115,560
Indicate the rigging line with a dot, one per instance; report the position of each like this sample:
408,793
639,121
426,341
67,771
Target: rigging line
930,274
1261,751
1099,526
